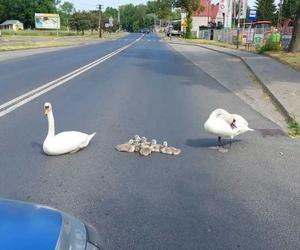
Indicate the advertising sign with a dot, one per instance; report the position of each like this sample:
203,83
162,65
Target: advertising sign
47,21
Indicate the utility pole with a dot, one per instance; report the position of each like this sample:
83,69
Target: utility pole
119,18
99,25
208,7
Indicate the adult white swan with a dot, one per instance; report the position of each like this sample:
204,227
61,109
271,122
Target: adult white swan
222,123
65,142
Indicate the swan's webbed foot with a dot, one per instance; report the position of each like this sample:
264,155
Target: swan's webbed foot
221,147
219,141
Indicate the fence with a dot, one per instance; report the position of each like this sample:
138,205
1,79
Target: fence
251,37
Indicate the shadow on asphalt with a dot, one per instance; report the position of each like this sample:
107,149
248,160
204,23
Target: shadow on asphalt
38,145
208,142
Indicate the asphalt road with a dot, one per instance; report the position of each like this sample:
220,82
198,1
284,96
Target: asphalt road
247,198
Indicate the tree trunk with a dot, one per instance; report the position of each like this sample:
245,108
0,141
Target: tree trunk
295,42
189,25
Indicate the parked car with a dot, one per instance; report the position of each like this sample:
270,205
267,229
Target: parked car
176,33
145,31
29,226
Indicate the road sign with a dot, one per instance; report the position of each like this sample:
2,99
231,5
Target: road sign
222,6
252,15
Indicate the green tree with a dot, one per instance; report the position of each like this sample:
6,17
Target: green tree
65,11
288,9
152,7
176,14
164,9
127,16
188,6
80,21
266,10
109,11
93,17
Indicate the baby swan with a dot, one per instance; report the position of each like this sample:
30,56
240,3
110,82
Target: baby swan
155,147
126,147
169,150
145,147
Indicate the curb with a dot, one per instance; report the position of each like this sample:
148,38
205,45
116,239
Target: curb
275,101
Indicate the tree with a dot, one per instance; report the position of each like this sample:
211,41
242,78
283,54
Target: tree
164,9
65,10
188,6
176,14
79,21
295,42
152,7
266,10
126,14
111,12
288,9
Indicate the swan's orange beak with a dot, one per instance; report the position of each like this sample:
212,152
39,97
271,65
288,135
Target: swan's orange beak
46,111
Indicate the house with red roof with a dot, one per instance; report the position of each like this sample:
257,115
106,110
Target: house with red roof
206,13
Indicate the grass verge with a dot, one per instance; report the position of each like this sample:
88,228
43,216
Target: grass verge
32,45
294,129
21,42
291,59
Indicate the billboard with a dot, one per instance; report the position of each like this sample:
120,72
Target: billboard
47,21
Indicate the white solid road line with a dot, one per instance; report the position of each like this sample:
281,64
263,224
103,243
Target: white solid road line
17,102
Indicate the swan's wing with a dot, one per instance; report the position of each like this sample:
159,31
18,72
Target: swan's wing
240,121
218,126
68,141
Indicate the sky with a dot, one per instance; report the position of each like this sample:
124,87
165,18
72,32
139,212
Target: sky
91,4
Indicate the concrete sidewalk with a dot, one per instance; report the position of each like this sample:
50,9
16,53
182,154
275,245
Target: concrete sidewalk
280,81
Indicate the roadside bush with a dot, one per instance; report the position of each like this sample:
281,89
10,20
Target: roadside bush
272,43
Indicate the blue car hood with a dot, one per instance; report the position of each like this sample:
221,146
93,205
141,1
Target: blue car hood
28,226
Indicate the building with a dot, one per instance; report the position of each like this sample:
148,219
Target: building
12,25
207,13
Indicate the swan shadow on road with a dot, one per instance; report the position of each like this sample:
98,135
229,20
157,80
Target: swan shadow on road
38,145
208,142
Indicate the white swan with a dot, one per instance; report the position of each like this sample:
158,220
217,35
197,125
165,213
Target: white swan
65,142
222,123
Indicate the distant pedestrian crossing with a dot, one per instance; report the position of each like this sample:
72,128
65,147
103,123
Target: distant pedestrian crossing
144,40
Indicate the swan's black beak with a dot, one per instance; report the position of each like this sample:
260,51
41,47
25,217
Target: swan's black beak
232,125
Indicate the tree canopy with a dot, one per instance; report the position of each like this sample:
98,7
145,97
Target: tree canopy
266,10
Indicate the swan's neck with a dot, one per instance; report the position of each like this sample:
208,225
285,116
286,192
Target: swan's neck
51,127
